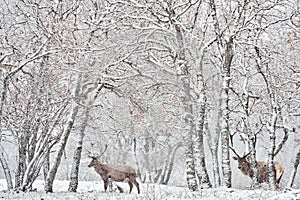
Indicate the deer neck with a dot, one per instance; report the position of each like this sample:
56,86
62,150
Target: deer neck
100,168
247,170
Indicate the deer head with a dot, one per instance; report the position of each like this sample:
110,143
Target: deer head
94,161
243,163
94,158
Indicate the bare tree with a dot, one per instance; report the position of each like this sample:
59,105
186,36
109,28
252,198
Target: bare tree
65,135
87,106
15,63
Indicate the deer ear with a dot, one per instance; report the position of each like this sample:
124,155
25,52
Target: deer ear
235,158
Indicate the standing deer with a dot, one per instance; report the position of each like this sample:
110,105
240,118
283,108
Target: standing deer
116,173
245,166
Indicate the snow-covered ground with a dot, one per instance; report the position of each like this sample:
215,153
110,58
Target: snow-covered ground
94,190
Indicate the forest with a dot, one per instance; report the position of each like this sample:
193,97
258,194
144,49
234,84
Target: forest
175,88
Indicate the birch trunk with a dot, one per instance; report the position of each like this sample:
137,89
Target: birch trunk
294,170
77,153
189,125
250,134
252,157
215,148
62,144
271,150
166,177
75,167
19,177
213,142
226,169
46,163
147,160
200,162
224,119
6,169
63,140
215,163
225,137
3,159
199,145
272,125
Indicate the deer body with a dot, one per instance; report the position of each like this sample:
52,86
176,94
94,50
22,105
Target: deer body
245,166
116,173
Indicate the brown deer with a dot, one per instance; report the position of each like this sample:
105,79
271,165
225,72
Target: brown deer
245,166
116,173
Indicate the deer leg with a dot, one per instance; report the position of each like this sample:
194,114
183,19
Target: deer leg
105,184
137,186
120,189
130,185
278,180
110,184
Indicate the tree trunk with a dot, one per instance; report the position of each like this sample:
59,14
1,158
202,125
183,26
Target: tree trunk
251,136
225,113
271,126
215,148
169,165
294,170
147,158
77,153
62,144
252,157
46,163
3,159
190,165
19,177
189,124
224,121
6,169
75,167
199,145
271,150
215,163
64,138
213,142
200,162
225,138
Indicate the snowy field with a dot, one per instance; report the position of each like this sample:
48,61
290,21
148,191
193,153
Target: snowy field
94,190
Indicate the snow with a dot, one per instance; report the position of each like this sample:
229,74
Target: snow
94,190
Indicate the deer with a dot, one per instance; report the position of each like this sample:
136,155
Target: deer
116,173
245,166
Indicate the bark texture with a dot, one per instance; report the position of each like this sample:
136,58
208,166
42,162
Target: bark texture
225,113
